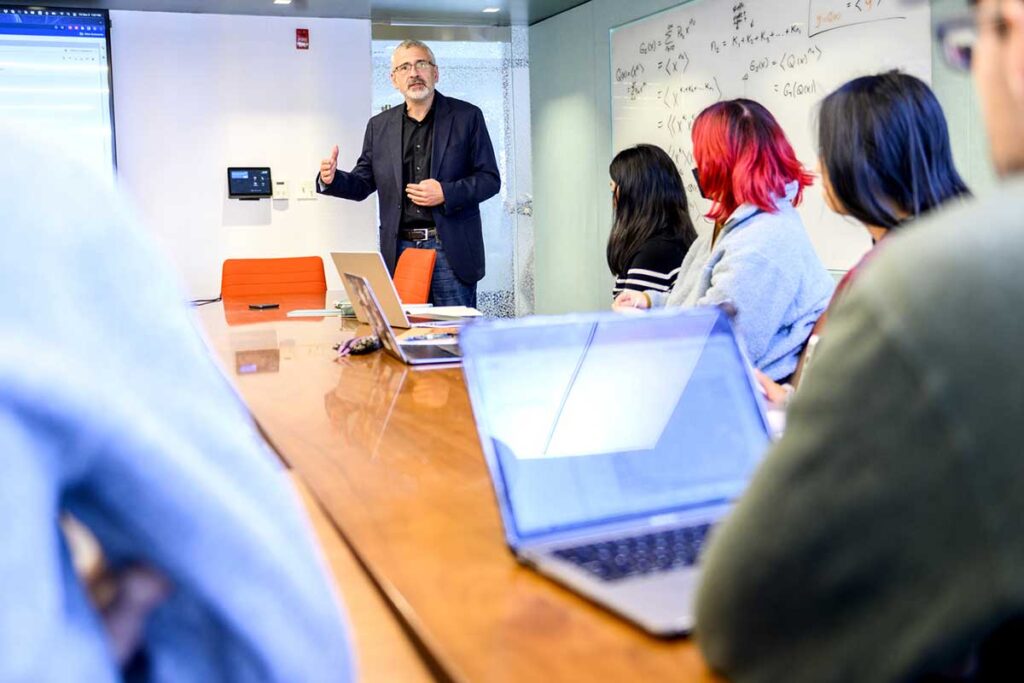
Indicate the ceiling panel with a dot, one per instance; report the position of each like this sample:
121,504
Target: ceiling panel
429,12
469,11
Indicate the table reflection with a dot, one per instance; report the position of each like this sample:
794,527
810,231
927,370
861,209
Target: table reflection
371,390
255,351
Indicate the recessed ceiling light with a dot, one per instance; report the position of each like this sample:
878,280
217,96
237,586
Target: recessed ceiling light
492,10
282,2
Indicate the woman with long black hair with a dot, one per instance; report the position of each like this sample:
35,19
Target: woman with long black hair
652,229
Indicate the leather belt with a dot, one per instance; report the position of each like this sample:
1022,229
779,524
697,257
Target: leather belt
418,234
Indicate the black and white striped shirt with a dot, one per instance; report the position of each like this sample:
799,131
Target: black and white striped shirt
655,266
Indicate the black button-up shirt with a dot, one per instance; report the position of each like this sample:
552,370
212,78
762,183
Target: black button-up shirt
417,144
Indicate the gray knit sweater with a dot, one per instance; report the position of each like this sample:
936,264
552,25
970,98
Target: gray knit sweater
764,264
881,540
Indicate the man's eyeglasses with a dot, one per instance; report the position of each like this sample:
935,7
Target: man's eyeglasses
406,67
959,35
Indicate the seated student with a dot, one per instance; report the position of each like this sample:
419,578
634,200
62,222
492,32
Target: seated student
652,228
881,538
113,411
758,257
885,159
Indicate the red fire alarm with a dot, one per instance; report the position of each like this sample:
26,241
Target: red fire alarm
302,39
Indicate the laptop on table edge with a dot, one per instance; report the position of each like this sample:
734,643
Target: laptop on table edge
615,513
370,265
411,353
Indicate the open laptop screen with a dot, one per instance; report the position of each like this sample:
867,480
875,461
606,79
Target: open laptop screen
590,419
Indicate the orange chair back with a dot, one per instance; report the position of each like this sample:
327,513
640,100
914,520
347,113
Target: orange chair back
413,274
263,276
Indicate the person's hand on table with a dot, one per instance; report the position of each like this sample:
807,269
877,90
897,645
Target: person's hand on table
630,299
426,193
328,166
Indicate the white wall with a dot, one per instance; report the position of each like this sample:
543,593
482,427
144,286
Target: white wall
196,93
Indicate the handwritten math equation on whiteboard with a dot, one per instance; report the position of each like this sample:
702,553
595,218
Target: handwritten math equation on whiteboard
786,54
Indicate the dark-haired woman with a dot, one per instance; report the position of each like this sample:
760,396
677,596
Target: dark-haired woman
885,160
758,258
652,230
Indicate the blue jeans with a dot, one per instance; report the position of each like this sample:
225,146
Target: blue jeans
446,289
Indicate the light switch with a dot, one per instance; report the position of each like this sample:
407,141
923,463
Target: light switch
281,189
307,189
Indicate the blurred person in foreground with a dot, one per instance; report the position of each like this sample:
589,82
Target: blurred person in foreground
880,540
112,411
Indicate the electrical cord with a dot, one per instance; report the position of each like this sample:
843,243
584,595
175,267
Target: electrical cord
203,302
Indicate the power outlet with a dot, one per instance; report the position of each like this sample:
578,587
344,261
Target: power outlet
281,189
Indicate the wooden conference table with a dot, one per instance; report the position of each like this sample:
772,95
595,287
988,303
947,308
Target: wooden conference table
392,456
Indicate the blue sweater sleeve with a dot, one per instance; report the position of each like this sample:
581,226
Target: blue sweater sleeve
760,291
113,410
51,633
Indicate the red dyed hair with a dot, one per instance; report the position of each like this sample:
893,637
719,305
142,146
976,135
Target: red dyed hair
743,157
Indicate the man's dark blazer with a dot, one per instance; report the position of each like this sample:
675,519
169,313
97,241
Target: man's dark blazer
462,160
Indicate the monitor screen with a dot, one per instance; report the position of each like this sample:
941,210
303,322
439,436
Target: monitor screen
55,80
606,420
249,182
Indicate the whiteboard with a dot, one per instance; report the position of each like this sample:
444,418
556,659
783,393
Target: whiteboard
785,54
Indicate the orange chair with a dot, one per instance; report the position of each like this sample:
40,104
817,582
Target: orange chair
269,276
413,275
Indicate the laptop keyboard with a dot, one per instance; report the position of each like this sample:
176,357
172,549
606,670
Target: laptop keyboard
636,555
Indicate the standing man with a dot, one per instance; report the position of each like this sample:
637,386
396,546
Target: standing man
881,538
432,164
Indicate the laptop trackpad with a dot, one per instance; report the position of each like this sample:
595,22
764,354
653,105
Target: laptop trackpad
661,603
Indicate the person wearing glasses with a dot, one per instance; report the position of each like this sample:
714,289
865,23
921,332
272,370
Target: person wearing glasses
880,540
432,164
758,258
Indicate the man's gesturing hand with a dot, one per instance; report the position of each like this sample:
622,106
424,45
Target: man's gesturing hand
427,193
328,166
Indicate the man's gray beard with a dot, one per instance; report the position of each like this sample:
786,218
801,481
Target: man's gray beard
418,95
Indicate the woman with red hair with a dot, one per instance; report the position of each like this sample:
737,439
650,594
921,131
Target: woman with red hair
758,257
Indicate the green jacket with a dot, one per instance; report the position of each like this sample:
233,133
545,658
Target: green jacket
883,536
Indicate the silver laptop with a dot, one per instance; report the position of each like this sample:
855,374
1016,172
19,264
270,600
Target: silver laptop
422,352
615,444
370,265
